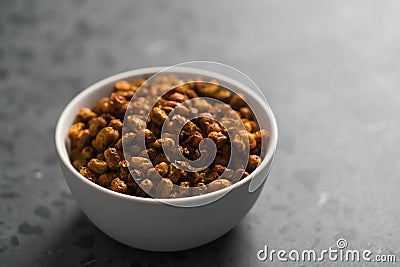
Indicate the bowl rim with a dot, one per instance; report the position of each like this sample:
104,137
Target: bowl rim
67,113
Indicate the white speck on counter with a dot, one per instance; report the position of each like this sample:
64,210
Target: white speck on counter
38,174
323,197
156,47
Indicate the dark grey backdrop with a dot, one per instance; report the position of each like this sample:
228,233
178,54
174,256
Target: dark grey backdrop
330,70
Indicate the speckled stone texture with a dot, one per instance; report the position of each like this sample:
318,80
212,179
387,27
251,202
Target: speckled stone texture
330,70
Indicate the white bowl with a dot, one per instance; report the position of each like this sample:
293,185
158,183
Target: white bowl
147,223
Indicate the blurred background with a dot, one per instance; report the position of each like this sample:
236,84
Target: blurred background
330,70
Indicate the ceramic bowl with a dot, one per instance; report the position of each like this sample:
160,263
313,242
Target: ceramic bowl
148,223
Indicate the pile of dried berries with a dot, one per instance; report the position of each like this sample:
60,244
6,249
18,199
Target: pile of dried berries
97,139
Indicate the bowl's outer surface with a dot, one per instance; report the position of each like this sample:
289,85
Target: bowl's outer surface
149,224
160,227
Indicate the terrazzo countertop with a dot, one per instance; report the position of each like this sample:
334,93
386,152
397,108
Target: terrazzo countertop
330,70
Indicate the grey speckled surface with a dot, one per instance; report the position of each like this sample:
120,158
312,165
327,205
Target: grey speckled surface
330,70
